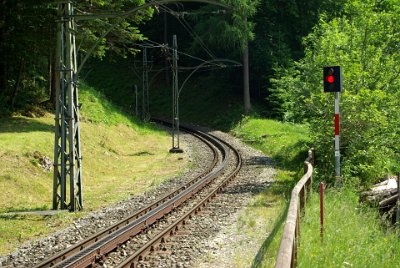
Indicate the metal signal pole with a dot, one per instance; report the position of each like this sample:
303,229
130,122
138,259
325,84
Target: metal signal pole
175,98
333,82
67,152
145,89
337,137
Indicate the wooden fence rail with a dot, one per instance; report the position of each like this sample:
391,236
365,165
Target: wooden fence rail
287,254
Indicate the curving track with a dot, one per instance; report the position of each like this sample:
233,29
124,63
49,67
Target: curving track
174,209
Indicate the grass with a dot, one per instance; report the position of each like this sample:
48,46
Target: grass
120,158
285,142
287,145
207,99
353,234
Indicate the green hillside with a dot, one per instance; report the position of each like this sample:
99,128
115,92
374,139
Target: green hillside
121,157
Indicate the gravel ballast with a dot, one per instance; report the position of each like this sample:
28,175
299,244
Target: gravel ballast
213,238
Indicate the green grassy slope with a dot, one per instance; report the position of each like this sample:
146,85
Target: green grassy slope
208,99
120,158
353,235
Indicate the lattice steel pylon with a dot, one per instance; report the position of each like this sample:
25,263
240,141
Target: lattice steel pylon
67,151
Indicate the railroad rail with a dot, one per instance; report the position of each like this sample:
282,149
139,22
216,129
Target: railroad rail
149,247
87,252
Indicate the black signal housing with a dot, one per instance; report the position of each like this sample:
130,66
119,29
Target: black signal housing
333,79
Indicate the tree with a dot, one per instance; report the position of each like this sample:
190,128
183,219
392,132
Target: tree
364,41
227,32
28,65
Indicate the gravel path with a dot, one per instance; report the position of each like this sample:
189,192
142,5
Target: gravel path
214,238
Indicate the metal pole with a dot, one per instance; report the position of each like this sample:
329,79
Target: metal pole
398,201
246,85
57,198
175,99
174,69
136,100
321,209
144,84
67,151
337,136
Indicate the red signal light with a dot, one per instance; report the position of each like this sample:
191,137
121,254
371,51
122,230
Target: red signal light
330,79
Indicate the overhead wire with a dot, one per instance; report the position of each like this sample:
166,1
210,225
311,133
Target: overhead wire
183,53
216,65
197,37
189,29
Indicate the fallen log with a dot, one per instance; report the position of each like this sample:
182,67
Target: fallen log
386,196
389,201
380,192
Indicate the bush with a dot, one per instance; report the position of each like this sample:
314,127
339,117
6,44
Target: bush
364,41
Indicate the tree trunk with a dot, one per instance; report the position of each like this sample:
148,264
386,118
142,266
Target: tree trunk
18,83
3,63
55,73
3,76
49,71
246,87
54,78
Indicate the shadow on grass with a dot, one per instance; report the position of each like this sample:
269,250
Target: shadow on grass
20,124
291,157
23,213
259,160
252,188
16,210
267,242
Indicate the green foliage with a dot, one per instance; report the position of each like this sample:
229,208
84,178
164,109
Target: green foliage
28,30
364,41
115,79
279,29
124,28
226,32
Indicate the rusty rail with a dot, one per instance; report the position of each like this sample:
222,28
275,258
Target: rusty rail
88,242
132,261
287,255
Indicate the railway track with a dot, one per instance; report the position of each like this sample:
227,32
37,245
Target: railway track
199,190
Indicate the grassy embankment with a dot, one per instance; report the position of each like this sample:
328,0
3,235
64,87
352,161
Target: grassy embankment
207,100
354,235
121,157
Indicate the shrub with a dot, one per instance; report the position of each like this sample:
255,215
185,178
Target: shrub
364,41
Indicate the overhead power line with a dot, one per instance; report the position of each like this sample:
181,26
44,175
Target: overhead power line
189,29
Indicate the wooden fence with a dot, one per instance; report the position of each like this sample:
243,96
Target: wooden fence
287,254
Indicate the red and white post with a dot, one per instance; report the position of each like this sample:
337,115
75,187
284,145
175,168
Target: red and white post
333,83
337,136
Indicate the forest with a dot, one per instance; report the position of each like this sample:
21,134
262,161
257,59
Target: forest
288,43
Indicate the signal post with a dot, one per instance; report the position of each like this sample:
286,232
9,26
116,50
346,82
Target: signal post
333,82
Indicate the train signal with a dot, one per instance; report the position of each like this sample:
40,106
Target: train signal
333,83
333,79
